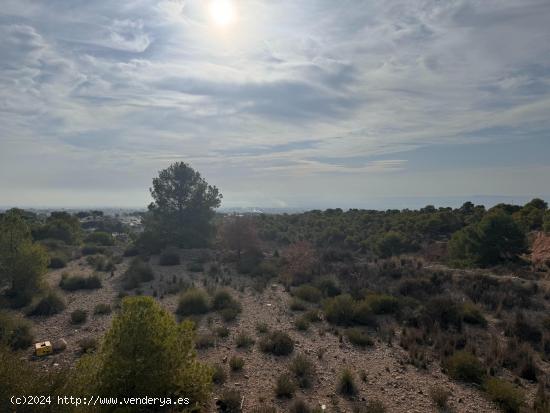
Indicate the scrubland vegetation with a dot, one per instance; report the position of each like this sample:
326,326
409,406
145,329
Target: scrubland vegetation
450,291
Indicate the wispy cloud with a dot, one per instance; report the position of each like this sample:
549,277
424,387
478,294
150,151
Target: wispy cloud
310,89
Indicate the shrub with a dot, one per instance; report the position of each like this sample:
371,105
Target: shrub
466,367
340,309
229,314
169,256
88,344
278,343
92,250
100,238
359,337
15,333
308,292
300,406
302,323
78,316
263,409
223,299
236,363
440,396
193,302
229,402
222,331
382,303
346,383
285,386
137,272
472,315
50,304
57,262
505,394
205,341
164,348
297,305
218,374
243,340
363,314
303,370
262,327
102,309
328,287
74,283
373,406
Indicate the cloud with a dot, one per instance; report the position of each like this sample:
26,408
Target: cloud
312,88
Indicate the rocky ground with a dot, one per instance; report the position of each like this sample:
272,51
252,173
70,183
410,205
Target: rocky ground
401,387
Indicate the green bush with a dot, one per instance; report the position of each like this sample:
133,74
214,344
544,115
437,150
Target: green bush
88,344
440,396
285,386
49,305
222,331
226,305
308,292
262,327
236,363
359,337
229,401
278,343
506,395
472,315
145,331
219,376
92,250
100,238
363,314
78,316
465,367
73,283
328,286
300,406
243,340
303,370
169,256
340,309
101,309
302,323
346,383
229,314
137,273
382,303
193,302
15,333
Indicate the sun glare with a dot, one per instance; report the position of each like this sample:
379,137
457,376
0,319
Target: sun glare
222,12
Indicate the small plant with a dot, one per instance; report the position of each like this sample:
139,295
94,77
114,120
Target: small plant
440,396
263,409
302,323
49,305
373,406
102,309
472,315
15,333
466,367
340,310
88,345
285,386
308,292
78,316
236,363
193,302
229,402
358,337
57,262
278,343
229,314
262,327
205,341
138,272
243,340
346,383
303,370
218,374
74,283
505,394
300,406
222,331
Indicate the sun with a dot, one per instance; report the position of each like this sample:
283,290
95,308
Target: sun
222,12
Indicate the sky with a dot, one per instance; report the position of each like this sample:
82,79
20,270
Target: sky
279,103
